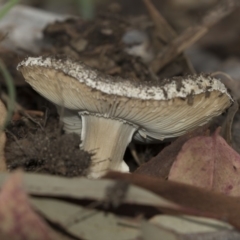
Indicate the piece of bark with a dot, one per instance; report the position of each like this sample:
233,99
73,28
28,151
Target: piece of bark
165,34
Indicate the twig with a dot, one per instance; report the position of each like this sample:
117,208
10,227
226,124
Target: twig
165,33
18,108
193,34
25,114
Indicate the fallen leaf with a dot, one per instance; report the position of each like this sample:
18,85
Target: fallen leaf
17,219
76,191
81,221
160,165
185,224
197,201
87,189
86,223
153,232
210,163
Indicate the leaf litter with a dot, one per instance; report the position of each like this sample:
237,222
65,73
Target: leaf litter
79,198
115,206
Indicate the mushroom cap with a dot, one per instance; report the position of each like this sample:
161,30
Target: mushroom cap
160,110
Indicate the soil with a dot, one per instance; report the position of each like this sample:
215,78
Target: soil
39,145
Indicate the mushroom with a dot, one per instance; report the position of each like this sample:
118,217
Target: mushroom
114,110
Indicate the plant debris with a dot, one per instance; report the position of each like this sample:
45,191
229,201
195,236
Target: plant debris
45,151
143,49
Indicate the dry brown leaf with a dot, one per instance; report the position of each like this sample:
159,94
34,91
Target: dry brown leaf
197,201
160,165
165,34
86,223
17,219
79,221
153,231
164,31
210,163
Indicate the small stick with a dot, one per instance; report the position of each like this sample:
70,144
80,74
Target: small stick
165,33
34,113
25,114
193,34
164,30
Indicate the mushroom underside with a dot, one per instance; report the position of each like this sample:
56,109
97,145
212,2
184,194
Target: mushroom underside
157,119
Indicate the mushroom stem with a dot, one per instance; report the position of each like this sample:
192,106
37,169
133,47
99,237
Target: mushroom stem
107,139
71,120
